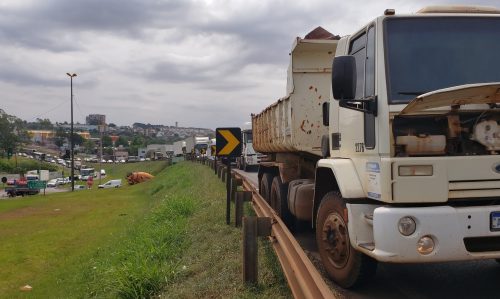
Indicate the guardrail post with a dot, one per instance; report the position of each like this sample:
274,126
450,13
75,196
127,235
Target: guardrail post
224,172
241,197
253,227
237,182
219,171
250,250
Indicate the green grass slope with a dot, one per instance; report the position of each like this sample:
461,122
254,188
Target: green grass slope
165,237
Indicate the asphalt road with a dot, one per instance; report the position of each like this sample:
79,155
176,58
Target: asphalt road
472,279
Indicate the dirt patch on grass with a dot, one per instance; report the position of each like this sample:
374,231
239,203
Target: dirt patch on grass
22,213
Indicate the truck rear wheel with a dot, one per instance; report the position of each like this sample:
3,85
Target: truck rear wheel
279,200
344,264
265,186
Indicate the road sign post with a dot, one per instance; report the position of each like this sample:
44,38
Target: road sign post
228,145
228,191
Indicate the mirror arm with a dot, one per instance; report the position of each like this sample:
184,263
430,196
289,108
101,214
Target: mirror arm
365,105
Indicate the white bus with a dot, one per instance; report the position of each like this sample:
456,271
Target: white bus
85,173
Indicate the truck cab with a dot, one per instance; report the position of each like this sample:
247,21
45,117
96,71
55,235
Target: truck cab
414,141
249,157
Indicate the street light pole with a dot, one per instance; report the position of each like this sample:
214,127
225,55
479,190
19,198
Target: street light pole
71,137
101,130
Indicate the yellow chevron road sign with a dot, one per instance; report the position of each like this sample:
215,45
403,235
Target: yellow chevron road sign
228,142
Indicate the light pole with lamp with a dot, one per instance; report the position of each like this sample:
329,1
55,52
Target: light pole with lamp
71,137
101,130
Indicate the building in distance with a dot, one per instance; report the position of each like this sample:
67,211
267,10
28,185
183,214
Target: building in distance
95,119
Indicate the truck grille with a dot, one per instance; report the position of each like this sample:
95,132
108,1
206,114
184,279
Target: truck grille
467,189
482,244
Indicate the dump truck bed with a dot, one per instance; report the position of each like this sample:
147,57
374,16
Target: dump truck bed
294,122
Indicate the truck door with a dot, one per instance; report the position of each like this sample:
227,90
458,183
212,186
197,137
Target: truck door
362,48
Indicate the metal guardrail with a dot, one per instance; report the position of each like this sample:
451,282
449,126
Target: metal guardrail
303,278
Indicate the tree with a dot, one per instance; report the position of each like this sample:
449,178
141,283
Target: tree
44,124
121,141
107,141
89,146
60,137
77,139
136,143
11,132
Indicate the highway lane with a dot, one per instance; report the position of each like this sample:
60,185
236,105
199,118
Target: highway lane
472,279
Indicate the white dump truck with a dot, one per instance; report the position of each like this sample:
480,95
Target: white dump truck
249,157
41,175
388,141
197,146
179,148
212,149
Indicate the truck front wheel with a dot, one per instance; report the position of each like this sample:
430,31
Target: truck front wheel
344,264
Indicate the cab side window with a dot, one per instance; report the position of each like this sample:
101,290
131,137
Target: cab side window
362,48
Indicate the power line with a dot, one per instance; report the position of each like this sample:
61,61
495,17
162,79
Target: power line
59,105
78,108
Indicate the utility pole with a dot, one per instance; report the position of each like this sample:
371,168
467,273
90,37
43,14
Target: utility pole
71,136
101,130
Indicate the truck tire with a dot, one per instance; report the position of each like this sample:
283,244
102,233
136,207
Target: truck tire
346,266
265,186
279,200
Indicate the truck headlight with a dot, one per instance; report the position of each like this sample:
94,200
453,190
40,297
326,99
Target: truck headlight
415,170
407,225
425,245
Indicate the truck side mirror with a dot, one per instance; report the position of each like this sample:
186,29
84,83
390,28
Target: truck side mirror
326,114
344,77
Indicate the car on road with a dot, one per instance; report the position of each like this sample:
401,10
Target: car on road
111,184
62,181
52,183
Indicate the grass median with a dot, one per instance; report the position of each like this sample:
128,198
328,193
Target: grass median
165,237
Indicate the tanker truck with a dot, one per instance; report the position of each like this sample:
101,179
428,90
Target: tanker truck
387,142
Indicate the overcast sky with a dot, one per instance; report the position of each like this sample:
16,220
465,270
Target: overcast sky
201,63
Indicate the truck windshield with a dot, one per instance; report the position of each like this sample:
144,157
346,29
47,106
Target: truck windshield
426,54
201,146
89,171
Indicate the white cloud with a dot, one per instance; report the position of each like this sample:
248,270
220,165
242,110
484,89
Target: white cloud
203,63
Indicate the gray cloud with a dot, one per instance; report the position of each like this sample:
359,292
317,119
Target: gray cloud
202,63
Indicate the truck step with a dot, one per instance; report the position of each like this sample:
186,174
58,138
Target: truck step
368,246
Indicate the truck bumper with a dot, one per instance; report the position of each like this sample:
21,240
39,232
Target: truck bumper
459,233
252,160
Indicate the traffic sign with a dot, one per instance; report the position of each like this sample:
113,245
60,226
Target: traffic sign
37,184
228,142
213,149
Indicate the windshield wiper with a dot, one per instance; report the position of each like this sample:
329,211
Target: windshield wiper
412,93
